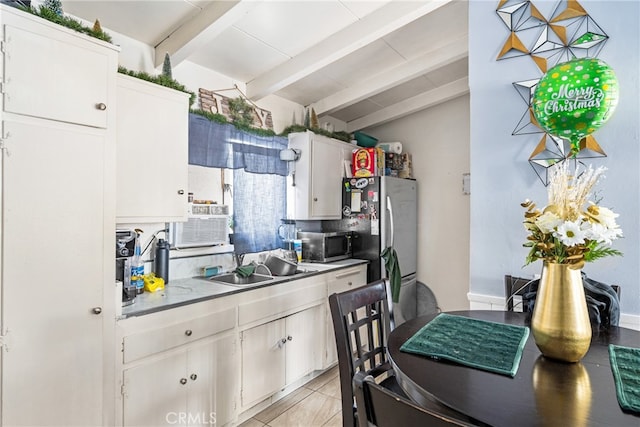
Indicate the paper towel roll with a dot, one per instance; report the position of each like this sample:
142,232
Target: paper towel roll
391,147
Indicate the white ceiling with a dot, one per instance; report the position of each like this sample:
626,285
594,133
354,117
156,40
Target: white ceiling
362,62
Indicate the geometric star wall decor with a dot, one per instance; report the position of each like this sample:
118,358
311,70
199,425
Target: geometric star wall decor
567,33
549,151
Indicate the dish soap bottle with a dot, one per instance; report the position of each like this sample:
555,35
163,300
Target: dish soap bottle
137,268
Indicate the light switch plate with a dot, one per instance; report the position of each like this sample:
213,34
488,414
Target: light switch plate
466,183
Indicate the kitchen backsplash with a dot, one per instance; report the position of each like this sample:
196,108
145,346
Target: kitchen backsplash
182,268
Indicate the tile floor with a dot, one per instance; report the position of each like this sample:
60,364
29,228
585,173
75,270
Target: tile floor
316,404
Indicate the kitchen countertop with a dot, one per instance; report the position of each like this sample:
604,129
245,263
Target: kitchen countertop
182,292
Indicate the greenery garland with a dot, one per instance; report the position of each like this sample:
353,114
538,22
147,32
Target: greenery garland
161,80
66,21
342,136
220,119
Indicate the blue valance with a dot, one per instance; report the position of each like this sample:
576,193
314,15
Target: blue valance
224,146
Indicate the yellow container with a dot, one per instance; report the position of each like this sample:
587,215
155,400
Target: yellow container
153,283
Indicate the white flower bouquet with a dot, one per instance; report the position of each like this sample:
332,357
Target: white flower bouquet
571,229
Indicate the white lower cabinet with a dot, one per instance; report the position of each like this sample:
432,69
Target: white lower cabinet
52,343
180,366
263,361
192,386
340,281
280,352
210,363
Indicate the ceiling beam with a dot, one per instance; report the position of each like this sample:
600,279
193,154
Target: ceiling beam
372,27
409,106
440,57
204,27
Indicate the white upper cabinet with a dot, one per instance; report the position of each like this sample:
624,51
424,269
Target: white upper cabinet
55,75
152,152
318,177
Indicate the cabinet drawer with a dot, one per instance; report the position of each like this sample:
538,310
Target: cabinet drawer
280,304
344,280
146,343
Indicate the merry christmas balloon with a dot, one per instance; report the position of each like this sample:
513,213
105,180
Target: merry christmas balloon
574,98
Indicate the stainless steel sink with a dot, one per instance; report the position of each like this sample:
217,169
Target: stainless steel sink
236,279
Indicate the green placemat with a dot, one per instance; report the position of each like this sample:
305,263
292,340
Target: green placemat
625,365
490,346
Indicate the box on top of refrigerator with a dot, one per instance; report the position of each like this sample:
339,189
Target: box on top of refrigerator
367,162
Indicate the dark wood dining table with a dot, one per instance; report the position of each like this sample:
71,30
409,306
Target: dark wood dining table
543,392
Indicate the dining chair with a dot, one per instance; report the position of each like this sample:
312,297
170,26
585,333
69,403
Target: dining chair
517,286
383,408
361,324
617,289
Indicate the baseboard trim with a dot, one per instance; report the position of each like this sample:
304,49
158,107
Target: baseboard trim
492,302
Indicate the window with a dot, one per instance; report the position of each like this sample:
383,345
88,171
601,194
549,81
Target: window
259,178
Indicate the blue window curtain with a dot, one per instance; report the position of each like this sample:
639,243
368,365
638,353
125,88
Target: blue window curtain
259,204
259,178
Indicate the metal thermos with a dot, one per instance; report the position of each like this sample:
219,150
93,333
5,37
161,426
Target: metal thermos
162,260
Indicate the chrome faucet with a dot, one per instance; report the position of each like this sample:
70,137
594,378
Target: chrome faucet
239,258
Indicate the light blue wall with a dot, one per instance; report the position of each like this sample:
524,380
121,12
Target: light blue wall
501,174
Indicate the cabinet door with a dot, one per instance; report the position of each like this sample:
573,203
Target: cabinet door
52,274
326,179
303,348
152,152
38,82
155,392
214,379
340,281
263,361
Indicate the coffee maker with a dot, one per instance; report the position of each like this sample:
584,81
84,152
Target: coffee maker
125,248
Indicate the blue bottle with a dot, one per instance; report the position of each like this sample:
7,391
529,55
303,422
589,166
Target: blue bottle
137,268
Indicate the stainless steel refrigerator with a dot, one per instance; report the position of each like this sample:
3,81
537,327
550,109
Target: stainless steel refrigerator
382,212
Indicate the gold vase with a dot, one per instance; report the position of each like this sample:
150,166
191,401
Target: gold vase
560,321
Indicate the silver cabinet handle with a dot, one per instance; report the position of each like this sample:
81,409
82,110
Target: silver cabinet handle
181,192
188,332
193,377
289,338
183,381
101,106
97,310
393,225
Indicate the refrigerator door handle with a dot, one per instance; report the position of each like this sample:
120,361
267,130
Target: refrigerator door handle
391,223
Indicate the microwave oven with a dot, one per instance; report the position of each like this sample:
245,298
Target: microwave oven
207,225
325,247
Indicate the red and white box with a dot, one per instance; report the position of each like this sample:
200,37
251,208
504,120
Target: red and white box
367,162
